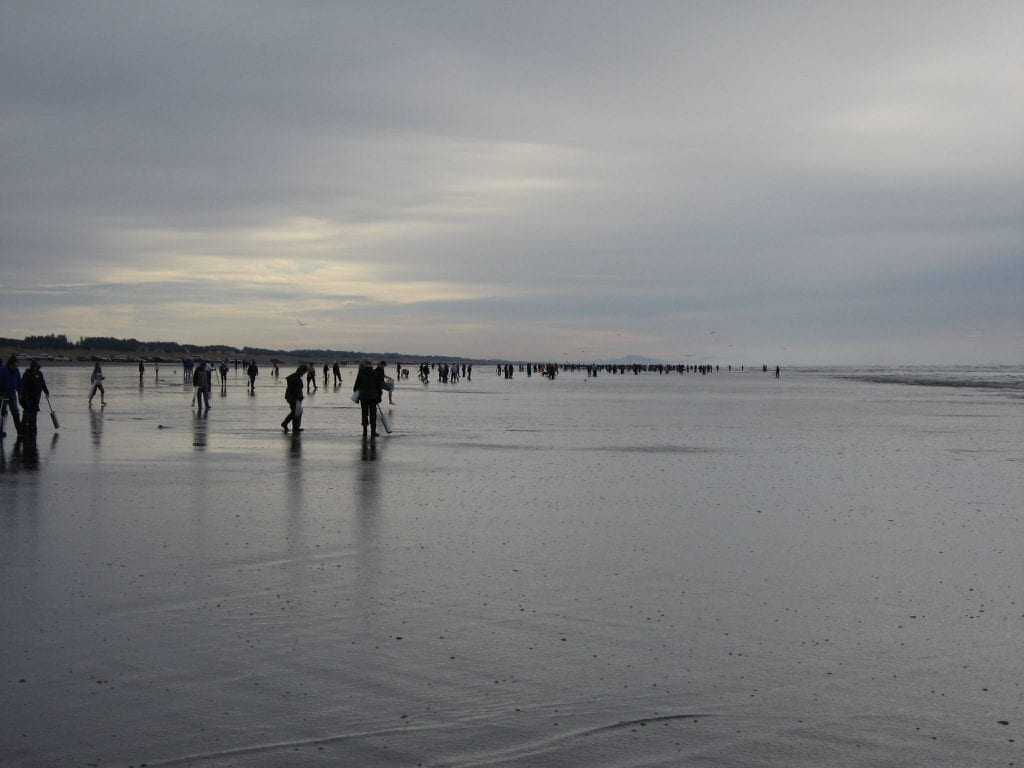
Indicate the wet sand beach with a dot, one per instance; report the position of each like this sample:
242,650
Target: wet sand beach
625,571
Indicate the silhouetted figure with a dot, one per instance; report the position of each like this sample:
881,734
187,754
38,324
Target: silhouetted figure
369,385
252,371
10,386
33,387
202,381
293,393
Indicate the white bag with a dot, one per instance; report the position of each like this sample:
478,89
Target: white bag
355,396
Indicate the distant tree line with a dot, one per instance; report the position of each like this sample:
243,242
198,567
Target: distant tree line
60,342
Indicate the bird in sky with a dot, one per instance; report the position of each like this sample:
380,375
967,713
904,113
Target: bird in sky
300,322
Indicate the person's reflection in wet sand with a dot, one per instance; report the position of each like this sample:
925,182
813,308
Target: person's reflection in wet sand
367,489
295,499
96,427
199,435
26,451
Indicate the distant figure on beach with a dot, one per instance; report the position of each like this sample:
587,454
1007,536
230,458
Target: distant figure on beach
253,371
777,371
337,374
293,393
10,386
369,385
156,372
33,387
223,369
142,370
186,368
311,377
97,385
326,369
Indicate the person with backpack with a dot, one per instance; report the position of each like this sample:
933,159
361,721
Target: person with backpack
369,384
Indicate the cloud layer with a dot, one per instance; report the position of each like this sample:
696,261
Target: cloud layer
800,182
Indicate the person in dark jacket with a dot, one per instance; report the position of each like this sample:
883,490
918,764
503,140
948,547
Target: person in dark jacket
369,385
294,393
33,386
253,371
10,386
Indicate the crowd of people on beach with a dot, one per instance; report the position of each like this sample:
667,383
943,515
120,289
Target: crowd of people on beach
21,394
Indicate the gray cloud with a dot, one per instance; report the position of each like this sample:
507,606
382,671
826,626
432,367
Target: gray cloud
411,174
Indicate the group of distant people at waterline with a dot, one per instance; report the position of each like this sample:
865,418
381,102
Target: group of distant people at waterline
21,394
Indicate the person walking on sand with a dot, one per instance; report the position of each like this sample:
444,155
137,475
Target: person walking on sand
142,370
33,387
369,386
201,381
253,371
97,385
337,373
293,393
10,386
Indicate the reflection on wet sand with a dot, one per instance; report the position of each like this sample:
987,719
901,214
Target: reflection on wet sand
295,497
96,426
199,431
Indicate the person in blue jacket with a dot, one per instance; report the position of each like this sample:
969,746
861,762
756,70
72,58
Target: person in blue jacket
10,388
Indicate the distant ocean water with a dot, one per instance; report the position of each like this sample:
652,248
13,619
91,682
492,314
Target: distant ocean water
1004,378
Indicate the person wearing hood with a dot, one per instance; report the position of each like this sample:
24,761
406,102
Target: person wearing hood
294,392
33,386
369,385
10,386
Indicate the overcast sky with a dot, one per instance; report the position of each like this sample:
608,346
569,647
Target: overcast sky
786,182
